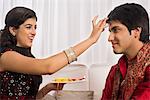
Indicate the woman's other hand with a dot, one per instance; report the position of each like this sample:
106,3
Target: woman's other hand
55,86
49,87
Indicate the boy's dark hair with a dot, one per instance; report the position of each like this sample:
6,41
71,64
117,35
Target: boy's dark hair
132,16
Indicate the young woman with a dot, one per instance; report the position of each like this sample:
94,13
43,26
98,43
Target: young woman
20,72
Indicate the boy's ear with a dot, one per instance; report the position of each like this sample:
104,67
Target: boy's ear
136,32
12,30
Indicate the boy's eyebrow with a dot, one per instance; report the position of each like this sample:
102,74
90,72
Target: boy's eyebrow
115,27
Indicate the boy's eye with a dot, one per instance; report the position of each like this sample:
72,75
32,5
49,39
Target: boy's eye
114,30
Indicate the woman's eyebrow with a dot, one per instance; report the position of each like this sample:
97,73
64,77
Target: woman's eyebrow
28,25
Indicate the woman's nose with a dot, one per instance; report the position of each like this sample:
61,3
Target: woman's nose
33,31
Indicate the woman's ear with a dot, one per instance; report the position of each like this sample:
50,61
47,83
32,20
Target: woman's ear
12,30
136,32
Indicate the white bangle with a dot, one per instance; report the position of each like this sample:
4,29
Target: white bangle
71,56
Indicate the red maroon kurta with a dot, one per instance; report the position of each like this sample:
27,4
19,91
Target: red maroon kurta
142,89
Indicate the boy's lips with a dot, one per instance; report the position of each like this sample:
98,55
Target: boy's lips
114,44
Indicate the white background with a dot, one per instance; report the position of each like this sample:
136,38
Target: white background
64,23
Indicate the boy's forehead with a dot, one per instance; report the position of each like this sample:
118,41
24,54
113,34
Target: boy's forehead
114,24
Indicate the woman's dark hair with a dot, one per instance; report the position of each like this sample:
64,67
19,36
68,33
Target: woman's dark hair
14,18
132,16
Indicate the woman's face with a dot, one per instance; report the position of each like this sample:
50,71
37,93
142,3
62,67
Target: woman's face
26,33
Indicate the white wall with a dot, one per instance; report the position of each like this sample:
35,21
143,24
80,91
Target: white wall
97,78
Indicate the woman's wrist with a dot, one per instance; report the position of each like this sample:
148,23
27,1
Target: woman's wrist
50,86
92,40
71,55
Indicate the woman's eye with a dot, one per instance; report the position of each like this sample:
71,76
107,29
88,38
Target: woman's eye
28,27
35,27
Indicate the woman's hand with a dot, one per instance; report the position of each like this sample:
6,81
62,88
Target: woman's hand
97,28
55,86
49,87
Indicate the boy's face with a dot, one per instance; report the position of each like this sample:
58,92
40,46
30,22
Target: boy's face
121,39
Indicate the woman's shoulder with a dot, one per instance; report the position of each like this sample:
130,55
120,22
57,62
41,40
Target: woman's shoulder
5,49
20,50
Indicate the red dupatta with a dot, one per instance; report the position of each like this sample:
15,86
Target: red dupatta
124,86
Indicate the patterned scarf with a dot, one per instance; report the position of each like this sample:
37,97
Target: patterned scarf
123,89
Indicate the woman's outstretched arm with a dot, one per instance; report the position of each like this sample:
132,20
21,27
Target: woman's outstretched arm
13,61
